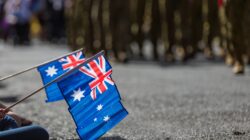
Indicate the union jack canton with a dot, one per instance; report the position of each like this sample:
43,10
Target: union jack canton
53,69
100,71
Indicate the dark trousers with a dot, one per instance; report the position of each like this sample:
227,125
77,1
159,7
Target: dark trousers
31,132
22,33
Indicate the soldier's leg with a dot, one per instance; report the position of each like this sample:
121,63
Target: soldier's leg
239,61
97,23
171,8
227,34
155,27
120,28
94,13
97,19
163,17
141,4
113,28
235,16
248,55
213,26
133,22
75,15
224,35
229,45
196,26
247,30
185,14
90,27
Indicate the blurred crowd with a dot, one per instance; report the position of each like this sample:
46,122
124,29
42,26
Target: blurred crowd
21,20
176,30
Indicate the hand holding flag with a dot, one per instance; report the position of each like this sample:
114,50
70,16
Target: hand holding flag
87,87
55,68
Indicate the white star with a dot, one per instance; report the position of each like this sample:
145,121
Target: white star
95,119
99,107
78,95
51,71
106,118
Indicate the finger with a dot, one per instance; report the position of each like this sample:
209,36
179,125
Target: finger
1,116
6,110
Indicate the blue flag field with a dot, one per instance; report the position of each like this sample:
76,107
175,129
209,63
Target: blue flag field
93,98
56,68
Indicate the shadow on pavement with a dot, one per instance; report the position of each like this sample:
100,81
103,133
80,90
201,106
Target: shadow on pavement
9,99
200,61
104,138
112,138
2,85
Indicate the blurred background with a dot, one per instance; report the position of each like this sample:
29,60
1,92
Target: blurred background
169,59
166,31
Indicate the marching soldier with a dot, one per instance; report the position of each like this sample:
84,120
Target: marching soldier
86,26
246,30
196,26
178,28
139,20
120,28
225,33
210,25
76,18
146,21
235,11
155,30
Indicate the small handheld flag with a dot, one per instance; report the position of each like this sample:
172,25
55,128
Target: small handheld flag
34,67
56,68
93,98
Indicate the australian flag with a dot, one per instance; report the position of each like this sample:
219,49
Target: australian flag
56,68
93,98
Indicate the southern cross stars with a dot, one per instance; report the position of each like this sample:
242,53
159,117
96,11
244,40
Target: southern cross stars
99,107
106,118
51,71
78,95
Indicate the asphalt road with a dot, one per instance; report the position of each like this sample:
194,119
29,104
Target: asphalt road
198,100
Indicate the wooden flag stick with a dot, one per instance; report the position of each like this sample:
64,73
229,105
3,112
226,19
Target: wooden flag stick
56,80
23,71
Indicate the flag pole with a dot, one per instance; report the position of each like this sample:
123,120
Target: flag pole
56,80
23,71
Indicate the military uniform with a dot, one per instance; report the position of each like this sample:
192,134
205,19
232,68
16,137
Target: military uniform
246,30
196,25
235,11
120,28
225,33
179,27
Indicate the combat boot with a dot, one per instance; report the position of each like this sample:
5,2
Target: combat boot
229,60
238,68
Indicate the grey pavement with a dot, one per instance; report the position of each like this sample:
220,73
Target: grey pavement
198,100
